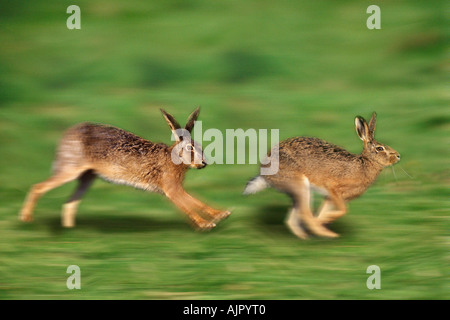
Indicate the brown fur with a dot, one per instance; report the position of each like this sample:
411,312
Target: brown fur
306,163
89,150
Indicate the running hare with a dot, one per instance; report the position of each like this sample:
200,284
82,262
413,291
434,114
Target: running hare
310,163
89,150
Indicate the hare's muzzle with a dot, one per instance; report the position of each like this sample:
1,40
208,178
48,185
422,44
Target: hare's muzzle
395,157
200,165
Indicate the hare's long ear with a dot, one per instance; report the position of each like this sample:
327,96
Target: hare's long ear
173,124
362,129
372,124
191,120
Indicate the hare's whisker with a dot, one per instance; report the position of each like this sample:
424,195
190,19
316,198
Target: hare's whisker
393,171
406,173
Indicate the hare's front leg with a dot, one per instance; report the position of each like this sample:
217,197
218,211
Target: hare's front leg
186,203
216,215
327,213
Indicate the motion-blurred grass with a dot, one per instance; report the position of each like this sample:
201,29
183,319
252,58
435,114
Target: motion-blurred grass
304,67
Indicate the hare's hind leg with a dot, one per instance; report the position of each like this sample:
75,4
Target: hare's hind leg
39,189
302,195
71,206
298,187
294,224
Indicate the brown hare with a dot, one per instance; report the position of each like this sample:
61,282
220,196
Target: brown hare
89,150
311,163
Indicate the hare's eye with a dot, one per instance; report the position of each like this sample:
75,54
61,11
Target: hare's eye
189,147
379,148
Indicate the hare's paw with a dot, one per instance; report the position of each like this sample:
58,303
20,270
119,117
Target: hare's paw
221,216
329,234
296,229
205,225
324,232
316,227
25,216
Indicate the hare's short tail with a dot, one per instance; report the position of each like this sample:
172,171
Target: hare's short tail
255,185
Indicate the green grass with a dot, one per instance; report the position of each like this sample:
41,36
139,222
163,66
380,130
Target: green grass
306,68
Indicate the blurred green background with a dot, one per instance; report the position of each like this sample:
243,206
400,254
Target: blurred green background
303,67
